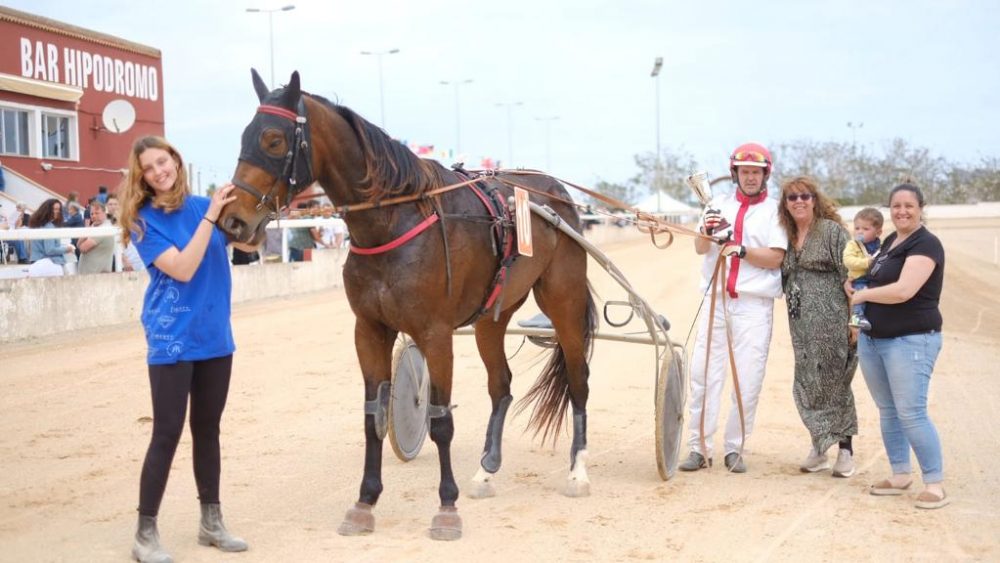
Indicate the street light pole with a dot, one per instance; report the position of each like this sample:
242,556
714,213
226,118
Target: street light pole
657,65
270,26
854,132
458,118
381,90
547,121
510,141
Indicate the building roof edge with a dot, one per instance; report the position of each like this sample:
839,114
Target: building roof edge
58,27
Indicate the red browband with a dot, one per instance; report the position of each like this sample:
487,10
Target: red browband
280,112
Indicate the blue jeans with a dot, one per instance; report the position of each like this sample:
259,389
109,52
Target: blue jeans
21,249
859,309
898,374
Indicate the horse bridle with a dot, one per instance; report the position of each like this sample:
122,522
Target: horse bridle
295,168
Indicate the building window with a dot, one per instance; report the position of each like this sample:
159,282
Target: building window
55,136
14,132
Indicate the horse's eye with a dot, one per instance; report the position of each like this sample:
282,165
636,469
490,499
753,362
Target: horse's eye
272,141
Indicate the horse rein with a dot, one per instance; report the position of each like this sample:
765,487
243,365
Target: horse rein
644,221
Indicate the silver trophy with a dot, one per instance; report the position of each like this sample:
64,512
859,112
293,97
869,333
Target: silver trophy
700,186
702,189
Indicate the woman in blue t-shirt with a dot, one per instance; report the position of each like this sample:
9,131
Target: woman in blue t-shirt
898,353
185,314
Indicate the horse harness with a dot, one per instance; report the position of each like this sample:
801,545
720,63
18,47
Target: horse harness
502,239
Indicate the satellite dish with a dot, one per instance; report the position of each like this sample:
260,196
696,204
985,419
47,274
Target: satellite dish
118,116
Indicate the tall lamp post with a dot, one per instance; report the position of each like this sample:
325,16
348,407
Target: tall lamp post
657,65
854,132
270,26
547,121
381,90
458,118
510,142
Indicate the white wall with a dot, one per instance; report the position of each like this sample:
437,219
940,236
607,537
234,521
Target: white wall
34,307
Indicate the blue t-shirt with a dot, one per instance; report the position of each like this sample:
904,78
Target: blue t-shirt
184,321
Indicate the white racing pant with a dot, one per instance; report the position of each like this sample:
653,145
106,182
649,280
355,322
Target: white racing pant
751,319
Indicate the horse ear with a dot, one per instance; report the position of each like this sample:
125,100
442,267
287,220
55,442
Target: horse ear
258,85
293,86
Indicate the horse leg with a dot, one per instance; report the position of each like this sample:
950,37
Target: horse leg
572,318
374,344
446,524
489,340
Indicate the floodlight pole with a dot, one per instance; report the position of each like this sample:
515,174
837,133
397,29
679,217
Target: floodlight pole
657,65
270,27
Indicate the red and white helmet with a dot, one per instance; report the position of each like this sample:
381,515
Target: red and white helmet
750,154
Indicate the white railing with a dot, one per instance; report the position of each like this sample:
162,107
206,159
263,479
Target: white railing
26,234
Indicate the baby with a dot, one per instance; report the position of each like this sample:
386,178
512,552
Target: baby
858,256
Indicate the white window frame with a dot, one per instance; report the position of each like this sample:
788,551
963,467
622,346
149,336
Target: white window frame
27,143
36,141
71,133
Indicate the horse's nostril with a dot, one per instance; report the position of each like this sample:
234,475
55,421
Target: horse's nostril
235,227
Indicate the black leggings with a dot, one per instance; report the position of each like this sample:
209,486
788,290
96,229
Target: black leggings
207,382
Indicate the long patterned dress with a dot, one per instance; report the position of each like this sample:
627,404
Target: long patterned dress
818,313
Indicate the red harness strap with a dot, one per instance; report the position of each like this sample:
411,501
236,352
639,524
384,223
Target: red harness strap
501,216
405,238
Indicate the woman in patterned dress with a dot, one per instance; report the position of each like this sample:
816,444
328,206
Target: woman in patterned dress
813,275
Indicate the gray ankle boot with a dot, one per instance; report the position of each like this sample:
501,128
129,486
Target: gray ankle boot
213,532
147,548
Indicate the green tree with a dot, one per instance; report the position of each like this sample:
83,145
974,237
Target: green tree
665,174
621,192
846,172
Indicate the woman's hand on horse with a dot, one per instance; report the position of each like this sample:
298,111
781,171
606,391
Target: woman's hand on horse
222,197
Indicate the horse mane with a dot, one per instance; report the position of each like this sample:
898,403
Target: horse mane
392,169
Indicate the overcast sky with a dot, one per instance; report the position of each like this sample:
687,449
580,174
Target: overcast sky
772,71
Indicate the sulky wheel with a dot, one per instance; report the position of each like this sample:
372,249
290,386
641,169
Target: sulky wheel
670,396
408,422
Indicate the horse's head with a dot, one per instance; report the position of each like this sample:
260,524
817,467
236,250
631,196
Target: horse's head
275,161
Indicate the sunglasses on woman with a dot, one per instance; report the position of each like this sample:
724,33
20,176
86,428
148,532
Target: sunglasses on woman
795,197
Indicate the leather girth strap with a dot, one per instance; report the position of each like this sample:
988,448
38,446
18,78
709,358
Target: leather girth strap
503,247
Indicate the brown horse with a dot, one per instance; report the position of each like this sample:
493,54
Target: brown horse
438,279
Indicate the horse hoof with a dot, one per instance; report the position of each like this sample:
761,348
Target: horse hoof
446,524
576,488
358,521
481,489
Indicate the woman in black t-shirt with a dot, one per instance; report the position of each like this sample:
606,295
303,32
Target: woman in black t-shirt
898,354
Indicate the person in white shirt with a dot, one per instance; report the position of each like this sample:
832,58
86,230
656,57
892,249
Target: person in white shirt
332,235
754,246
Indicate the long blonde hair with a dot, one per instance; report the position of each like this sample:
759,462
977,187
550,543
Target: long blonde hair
135,192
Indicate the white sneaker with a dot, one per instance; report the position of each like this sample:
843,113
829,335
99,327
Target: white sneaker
814,462
845,464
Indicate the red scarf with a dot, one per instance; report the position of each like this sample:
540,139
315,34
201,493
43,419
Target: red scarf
745,203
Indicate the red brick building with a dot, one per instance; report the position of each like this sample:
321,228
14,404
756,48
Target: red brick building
72,101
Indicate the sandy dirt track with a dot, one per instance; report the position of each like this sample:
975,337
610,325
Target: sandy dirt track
74,424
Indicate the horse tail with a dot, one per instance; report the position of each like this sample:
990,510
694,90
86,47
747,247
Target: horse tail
550,392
